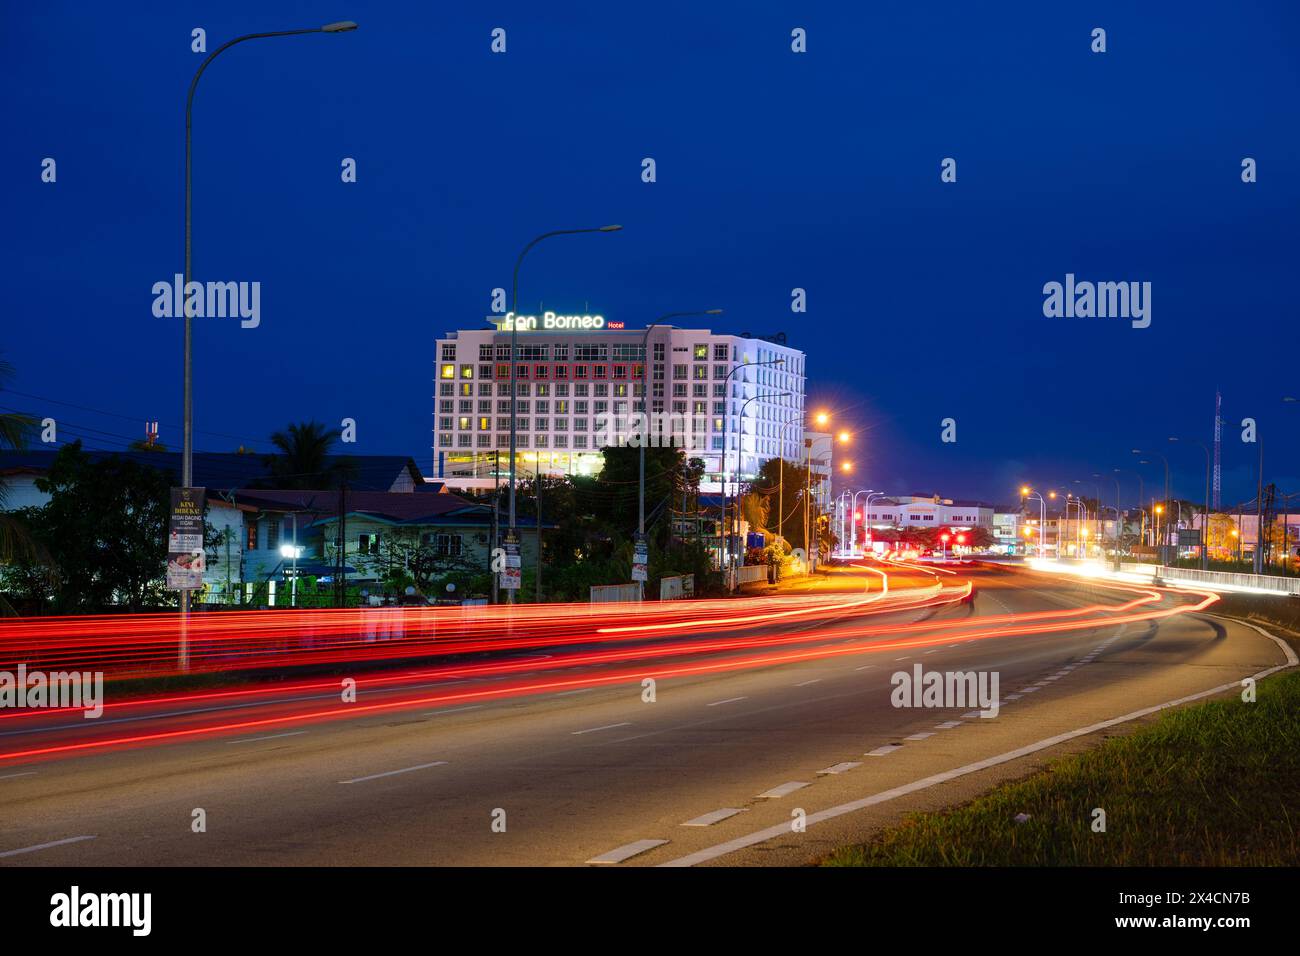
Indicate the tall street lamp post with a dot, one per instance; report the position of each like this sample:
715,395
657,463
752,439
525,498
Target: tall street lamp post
187,385
514,359
1205,517
645,414
735,515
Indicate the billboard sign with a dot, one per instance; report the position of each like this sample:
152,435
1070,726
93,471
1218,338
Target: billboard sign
185,558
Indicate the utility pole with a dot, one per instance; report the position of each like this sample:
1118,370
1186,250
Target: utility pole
340,575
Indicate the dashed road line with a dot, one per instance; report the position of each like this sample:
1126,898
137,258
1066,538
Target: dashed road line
712,817
45,846
783,790
950,724
815,680
252,740
884,751
729,700
919,736
627,851
393,773
844,767
592,730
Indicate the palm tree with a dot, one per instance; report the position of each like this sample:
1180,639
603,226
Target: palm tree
15,538
304,457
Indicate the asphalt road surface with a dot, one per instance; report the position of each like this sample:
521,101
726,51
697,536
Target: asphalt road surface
556,757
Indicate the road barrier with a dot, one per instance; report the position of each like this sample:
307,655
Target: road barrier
1227,579
615,593
677,586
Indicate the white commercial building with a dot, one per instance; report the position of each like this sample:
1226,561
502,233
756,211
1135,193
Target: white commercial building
579,388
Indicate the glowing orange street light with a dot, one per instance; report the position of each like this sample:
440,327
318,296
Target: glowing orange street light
845,438
846,466
822,418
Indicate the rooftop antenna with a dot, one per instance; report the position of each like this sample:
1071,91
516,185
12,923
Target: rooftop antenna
150,433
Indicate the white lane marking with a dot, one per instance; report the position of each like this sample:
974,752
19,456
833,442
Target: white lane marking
884,751
782,829
454,710
627,851
783,790
920,736
580,690
815,680
933,652
712,817
729,700
1030,690
949,724
1053,677
26,773
844,767
864,667
1011,697
592,730
970,713
903,658
393,773
249,740
45,846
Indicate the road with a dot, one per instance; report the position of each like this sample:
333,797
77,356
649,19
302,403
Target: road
558,746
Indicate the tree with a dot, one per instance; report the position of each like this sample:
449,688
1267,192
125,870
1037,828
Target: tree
104,530
304,458
15,429
792,499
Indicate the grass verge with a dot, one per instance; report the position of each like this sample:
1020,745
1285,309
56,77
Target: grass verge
1212,784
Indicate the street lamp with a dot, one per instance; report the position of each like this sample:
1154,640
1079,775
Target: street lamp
1027,492
735,518
514,358
1139,451
645,414
1205,518
187,384
726,436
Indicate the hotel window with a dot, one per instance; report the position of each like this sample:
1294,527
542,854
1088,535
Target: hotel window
701,352
503,388
521,424
719,371
679,390
503,370
521,407
521,371
543,388
503,352
445,422
717,425
485,388
540,441
561,353
542,408
638,372
463,423
717,443
483,441
600,407
626,353
602,390
582,391
561,406
599,425
620,371
562,391
463,441
485,353
467,388
448,371
533,353
679,372
467,371
485,371
659,352
466,406
503,406
446,405
561,424
521,441
503,424
539,424
580,372
679,408
719,352
580,425
449,353
580,407
698,390
600,371
542,371
484,423
579,441
521,388
485,408
444,440
700,408
590,353
561,372
561,441
620,390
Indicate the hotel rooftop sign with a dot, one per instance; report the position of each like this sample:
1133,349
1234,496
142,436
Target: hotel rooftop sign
551,322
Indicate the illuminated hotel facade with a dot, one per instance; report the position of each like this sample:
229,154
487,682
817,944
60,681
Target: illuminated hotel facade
579,387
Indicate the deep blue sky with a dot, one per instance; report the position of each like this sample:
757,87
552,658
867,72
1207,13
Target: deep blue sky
775,170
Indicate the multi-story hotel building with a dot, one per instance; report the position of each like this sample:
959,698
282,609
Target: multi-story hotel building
735,400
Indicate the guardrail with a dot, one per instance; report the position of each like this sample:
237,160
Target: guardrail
1228,579
615,593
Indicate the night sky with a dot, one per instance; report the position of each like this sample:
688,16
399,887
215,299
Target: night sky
775,170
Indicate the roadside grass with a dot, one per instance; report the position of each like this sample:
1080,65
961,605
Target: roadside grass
1212,784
